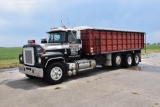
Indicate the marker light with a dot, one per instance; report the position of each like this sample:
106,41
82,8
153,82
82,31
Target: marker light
31,41
44,51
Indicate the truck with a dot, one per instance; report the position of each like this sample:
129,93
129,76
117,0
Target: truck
69,51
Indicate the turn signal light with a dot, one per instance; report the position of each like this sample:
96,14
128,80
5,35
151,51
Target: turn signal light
44,51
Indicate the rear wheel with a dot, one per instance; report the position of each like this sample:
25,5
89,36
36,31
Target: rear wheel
136,59
117,60
128,60
55,73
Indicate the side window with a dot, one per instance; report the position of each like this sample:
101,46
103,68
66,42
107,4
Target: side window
72,37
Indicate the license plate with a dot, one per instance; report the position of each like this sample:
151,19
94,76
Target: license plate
27,68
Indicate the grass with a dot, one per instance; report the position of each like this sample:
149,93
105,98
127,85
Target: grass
151,48
56,88
10,53
9,56
135,93
9,63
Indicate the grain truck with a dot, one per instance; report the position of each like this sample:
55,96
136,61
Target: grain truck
70,51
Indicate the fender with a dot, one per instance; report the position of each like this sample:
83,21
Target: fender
61,58
50,56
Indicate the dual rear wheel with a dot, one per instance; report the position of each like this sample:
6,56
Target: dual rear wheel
125,60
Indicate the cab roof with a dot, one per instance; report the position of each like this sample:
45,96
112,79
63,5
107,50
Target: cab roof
60,29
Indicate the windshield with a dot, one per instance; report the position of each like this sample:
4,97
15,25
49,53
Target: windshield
57,37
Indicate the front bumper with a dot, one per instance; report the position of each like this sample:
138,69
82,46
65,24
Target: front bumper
33,71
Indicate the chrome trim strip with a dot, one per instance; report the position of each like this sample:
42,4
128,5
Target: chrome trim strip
52,59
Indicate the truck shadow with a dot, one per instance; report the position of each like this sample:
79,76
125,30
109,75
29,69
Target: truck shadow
89,73
26,83
29,84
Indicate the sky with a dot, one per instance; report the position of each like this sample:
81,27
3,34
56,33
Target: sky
23,20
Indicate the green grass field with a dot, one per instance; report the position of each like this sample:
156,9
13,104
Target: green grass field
9,56
151,48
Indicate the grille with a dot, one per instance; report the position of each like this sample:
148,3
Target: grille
28,56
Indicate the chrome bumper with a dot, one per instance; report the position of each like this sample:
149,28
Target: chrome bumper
33,71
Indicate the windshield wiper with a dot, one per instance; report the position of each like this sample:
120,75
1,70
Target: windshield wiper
73,35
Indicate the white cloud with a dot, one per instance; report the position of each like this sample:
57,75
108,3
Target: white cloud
15,5
31,6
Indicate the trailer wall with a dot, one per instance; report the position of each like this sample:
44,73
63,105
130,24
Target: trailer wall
96,41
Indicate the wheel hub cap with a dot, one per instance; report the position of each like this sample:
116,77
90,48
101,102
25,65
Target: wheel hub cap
56,73
129,60
136,59
118,60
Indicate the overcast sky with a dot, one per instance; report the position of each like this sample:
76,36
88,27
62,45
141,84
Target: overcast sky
21,20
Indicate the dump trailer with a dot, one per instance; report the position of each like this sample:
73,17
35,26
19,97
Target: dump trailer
69,51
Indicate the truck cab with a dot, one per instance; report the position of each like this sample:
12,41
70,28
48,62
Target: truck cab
55,57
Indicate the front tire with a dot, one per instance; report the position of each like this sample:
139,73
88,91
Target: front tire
55,73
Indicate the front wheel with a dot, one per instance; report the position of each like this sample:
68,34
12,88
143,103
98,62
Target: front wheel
55,73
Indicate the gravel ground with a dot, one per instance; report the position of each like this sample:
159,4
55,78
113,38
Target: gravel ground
132,87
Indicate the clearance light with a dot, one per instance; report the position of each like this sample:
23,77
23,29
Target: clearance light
44,51
31,41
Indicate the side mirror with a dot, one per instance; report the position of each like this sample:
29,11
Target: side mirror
78,34
44,40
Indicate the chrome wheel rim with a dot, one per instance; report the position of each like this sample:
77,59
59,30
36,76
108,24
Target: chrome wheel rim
129,60
56,73
136,59
118,60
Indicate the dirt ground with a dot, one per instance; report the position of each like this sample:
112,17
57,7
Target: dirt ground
102,87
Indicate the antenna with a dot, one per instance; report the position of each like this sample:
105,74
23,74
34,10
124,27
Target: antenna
68,21
62,23
63,26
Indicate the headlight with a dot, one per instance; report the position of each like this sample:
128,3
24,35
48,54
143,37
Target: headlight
21,58
39,60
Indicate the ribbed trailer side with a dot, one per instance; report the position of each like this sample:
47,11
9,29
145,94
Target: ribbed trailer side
96,41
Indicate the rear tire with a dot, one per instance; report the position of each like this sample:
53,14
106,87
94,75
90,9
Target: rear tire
136,59
55,73
117,60
128,60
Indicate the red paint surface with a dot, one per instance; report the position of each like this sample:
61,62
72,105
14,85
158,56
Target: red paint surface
109,40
